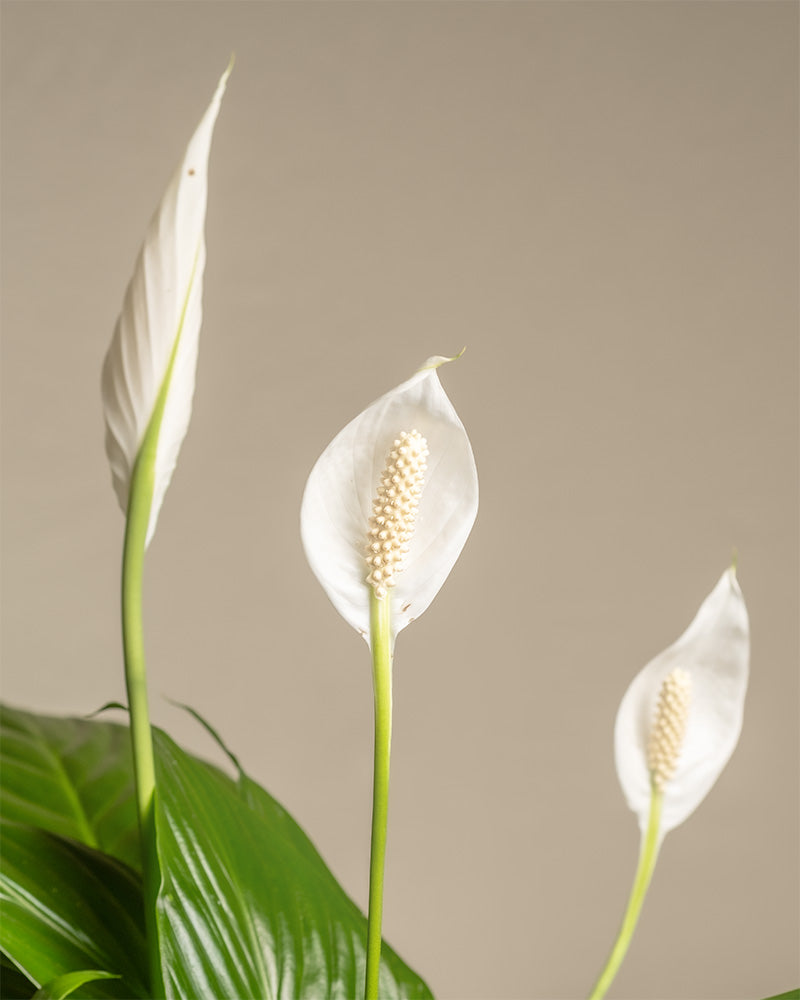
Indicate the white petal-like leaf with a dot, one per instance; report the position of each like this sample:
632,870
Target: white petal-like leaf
715,651
154,347
337,503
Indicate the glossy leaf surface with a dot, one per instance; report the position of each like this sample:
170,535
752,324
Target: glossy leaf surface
65,986
65,906
248,907
71,777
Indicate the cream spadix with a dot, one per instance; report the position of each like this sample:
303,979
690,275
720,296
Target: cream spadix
680,719
431,509
149,370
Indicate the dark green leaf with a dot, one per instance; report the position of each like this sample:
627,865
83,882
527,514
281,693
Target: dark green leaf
14,985
71,777
791,995
65,906
64,986
248,908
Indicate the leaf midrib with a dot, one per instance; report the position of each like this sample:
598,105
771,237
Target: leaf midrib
68,787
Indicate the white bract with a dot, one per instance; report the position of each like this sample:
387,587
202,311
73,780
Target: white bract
701,705
337,509
154,347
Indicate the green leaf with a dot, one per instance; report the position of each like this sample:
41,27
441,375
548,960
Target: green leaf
71,777
64,986
248,908
65,906
14,985
791,995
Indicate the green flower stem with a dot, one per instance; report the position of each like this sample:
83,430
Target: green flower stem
381,643
644,872
139,503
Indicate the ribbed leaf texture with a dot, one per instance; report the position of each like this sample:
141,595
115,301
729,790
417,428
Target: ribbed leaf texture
64,907
72,778
248,907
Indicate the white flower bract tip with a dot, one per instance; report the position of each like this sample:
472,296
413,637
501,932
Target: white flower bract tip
159,325
680,719
430,525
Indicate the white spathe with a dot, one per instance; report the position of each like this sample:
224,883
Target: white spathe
161,313
715,651
337,503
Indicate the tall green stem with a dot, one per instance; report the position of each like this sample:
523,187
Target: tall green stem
644,872
139,503
381,643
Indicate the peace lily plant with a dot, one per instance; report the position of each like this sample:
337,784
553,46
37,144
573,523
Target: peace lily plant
132,868
386,512
677,726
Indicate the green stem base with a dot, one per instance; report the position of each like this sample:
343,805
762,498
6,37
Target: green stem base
644,872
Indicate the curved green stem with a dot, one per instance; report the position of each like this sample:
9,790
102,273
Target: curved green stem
139,502
381,643
644,872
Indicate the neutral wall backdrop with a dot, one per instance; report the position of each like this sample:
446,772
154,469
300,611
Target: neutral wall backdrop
600,200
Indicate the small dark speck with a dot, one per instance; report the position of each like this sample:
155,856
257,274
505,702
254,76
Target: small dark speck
406,607
190,171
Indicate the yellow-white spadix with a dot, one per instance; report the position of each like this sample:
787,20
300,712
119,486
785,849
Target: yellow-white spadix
409,453
680,719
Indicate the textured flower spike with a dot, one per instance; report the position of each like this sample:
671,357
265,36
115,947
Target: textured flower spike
338,505
386,511
149,371
713,658
677,726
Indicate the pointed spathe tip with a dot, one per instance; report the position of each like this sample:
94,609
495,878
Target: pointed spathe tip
438,360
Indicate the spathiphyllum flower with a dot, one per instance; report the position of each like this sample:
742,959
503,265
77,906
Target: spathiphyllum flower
680,719
676,729
390,503
386,512
147,388
149,371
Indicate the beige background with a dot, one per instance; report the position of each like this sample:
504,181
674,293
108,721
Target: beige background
600,200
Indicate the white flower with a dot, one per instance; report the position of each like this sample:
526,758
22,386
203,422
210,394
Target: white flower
153,353
680,719
338,507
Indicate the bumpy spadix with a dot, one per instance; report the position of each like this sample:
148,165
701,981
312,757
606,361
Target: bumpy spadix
394,509
375,469
681,717
153,354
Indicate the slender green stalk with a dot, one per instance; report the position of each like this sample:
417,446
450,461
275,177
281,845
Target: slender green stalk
381,642
139,502
644,872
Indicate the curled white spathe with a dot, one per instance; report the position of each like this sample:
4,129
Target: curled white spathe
337,502
161,314
715,650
